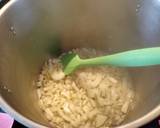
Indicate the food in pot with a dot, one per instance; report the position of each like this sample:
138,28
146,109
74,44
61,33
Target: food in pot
91,97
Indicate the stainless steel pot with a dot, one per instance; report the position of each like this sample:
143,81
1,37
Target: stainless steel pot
31,31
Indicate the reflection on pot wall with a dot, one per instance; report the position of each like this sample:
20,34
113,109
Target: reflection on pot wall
149,20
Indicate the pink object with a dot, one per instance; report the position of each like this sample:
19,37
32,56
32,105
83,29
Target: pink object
6,121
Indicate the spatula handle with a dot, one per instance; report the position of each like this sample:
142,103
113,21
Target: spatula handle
133,58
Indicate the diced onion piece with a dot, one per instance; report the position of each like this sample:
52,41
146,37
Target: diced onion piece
100,119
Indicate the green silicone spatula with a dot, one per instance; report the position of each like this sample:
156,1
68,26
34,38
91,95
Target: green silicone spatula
132,58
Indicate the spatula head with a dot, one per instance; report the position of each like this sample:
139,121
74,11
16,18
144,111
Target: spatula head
70,62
